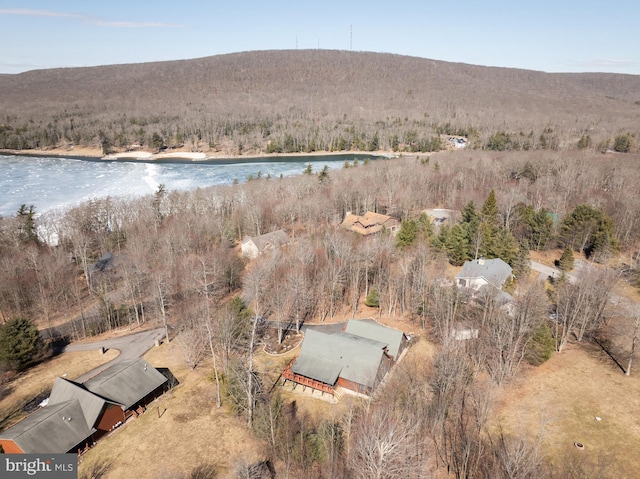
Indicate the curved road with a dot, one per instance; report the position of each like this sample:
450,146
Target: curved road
131,346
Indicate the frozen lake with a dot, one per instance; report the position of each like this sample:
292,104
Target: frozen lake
58,183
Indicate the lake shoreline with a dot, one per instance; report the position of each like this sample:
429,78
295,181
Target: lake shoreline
178,156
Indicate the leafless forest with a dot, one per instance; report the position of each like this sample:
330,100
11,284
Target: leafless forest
557,152
334,101
176,262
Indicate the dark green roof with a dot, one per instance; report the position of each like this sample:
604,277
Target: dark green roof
368,328
353,355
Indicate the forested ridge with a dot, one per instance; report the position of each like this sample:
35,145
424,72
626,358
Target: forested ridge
175,262
315,100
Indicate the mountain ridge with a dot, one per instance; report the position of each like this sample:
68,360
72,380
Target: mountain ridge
327,85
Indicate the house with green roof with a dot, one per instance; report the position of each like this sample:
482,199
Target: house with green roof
354,360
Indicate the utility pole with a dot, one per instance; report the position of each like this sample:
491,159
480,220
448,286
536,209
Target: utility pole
351,38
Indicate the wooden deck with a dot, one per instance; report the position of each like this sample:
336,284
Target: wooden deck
289,375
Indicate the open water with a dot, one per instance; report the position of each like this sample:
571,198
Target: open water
59,183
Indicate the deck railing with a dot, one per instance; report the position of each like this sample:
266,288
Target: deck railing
289,375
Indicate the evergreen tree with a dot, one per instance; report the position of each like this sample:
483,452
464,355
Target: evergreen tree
541,346
27,230
504,247
425,227
454,241
566,261
590,230
522,264
490,210
407,234
323,176
20,343
470,224
411,230
534,227
373,298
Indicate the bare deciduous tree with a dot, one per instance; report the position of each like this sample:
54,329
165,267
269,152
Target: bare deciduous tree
386,444
581,304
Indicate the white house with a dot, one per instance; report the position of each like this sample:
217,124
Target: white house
480,272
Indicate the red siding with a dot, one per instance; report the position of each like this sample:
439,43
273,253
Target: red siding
10,447
111,415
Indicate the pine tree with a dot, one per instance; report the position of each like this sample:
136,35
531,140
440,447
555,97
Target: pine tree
20,343
490,210
27,230
566,261
457,245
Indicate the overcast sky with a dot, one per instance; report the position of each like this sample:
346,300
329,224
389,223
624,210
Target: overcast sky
548,35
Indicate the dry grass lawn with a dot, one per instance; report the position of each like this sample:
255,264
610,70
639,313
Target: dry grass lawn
36,381
190,430
183,428
563,397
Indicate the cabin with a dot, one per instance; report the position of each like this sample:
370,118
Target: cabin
354,361
252,247
370,223
481,272
78,414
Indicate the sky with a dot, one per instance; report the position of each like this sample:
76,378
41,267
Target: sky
546,35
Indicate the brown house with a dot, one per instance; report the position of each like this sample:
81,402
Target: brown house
370,223
354,360
78,414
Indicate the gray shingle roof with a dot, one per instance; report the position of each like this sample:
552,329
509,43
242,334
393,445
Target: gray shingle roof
495,271
325,357
45,431
126,382
368,328
52,429
64,390
273,239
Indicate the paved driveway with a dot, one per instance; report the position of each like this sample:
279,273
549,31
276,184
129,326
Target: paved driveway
131,346
549,271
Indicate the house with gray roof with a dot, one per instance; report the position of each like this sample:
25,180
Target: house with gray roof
356,359
252,247
127,383
367,328
480,272
78,414
53,429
